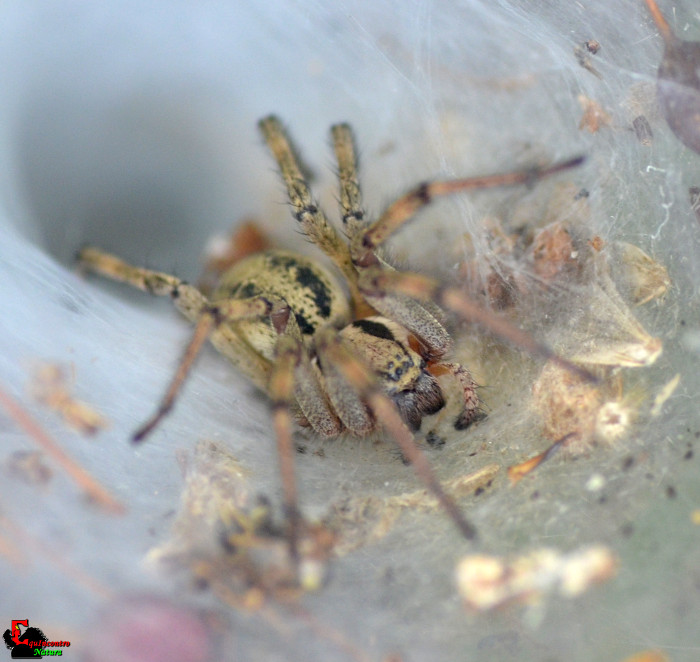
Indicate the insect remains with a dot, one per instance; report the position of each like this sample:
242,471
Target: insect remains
337,363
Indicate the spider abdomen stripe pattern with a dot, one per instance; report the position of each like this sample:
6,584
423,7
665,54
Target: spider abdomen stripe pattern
314,295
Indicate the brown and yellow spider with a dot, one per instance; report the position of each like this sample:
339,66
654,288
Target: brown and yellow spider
332,362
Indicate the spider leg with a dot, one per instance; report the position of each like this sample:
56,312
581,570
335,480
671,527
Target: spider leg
350,195
378,282
349,403
187,298
294,381
211,321
308,393
201,333
313,402
350,200
407,206
281,389
471,411
426,314
211,317
308,213
394,294
361,380
419,317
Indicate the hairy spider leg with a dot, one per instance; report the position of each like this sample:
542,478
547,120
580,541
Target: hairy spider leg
353,217
394,293
288,354
294,381
332,351
352,213
471,410
660,21
427,314
209,321
290,379
378,282
311,218
202,330
407,206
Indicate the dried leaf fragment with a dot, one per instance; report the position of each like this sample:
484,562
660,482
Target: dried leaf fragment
607,333
638,277
29,466
571,406
664,394
594,116
592,46
53,450
553,252
50,387
642,130
487,582
518,471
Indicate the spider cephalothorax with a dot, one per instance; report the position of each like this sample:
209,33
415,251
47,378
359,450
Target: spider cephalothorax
335,362
385,347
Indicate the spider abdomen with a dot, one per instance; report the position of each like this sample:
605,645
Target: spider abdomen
312,293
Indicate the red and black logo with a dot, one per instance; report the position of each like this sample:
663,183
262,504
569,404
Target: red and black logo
31,642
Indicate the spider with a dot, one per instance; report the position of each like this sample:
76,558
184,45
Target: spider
333,362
